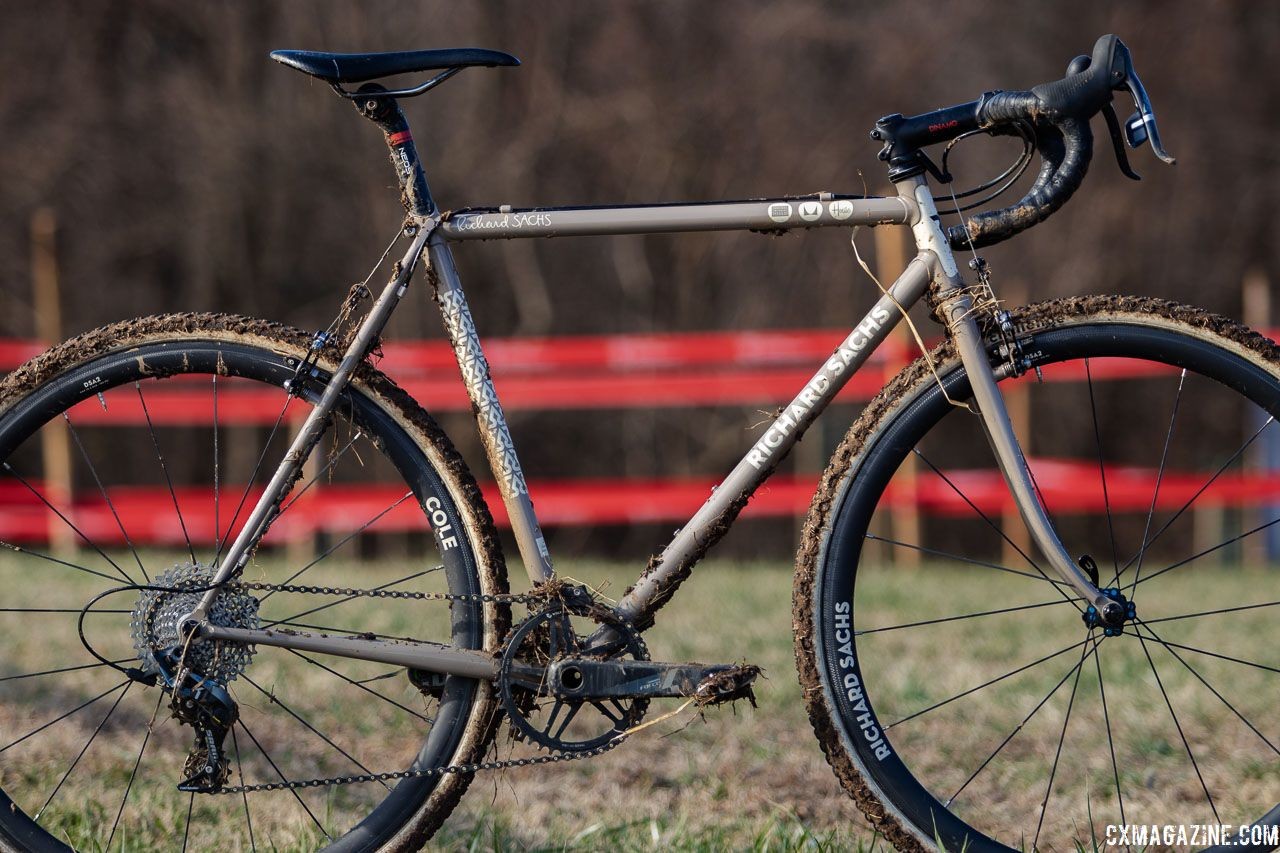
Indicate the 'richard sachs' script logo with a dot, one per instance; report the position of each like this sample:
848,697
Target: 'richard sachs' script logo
795,412
852,685
486,221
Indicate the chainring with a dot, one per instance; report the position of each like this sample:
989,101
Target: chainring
544,720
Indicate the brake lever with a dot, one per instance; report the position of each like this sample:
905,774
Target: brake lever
1117,143
1141,126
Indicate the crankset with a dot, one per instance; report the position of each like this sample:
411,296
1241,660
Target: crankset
564,693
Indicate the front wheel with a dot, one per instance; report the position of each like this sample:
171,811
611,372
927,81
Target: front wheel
161,433
956,686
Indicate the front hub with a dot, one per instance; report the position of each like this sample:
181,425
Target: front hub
1114,616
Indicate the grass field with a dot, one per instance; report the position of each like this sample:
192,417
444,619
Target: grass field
734,778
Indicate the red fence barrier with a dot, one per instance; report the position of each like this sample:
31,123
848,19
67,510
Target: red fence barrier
598,372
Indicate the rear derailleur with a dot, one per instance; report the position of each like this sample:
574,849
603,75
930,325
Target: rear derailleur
206,706
576,660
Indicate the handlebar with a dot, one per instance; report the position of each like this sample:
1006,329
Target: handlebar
1058,115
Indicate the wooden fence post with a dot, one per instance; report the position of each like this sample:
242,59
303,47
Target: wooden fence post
1264,456
892,246
55,443
1018,401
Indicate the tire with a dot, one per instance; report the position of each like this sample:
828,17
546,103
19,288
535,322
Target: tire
297,720
922,677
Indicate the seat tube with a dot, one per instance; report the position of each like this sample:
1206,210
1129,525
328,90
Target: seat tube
956,310
490,420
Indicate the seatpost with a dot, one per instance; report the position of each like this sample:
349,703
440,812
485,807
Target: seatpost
385,112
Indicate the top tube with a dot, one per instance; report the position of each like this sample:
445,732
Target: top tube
767,215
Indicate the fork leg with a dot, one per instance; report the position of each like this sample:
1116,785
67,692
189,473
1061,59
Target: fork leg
957,308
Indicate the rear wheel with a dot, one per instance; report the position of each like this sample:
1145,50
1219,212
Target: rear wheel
172,426
952,679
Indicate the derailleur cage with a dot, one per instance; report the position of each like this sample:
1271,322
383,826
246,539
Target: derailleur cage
206,706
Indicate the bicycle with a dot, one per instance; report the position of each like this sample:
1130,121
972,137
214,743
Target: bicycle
200,650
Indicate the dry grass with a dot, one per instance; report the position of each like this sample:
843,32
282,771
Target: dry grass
738,777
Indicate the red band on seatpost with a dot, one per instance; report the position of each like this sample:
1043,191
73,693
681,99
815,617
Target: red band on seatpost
402,137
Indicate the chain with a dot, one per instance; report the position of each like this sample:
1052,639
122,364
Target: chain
351,592
475,767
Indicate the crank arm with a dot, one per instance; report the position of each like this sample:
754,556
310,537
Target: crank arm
589,678
425,656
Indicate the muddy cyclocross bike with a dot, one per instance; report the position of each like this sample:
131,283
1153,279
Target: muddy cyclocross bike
1032,685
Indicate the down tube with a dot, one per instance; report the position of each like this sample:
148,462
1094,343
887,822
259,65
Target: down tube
672,566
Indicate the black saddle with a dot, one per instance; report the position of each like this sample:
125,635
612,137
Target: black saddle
359,67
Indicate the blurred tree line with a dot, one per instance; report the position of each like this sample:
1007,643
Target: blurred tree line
188,172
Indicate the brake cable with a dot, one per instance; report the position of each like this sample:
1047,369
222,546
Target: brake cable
1005,179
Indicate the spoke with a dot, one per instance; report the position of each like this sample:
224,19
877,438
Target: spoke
1216,474
351,632
217,479
1186,745
352,535
979,512
345,599
1065,595
244,795
1102,474
389,674
155,442
293,791
83,750
1111,745
248,487
186,832
146,738
62,669
1210,688
363,687
272,697
995,680
102,490
333,460
1069,673
67,521
59,719
1208,551
1053,772
17,549
56,610
1209,612
947,555
1164,457
1207,653
957,618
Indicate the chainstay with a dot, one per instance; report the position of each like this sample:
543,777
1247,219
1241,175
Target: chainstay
476,767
